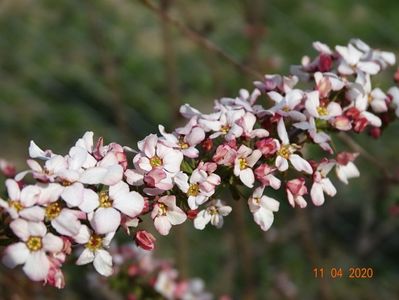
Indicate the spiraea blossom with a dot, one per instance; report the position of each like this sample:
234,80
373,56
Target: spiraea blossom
250,145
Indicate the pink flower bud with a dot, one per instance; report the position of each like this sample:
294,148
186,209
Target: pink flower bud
352,113
67,248
396,76
344,158
192,213
325,62
360,125
225,155
207,145
297,187
375,132
267,146
342,123
145,240
7,169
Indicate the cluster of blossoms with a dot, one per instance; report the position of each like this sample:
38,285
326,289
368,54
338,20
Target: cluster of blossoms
84,197
139,275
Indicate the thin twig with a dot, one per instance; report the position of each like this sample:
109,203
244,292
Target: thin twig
367,156
200,40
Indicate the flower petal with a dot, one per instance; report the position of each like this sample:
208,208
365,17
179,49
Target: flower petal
37,266
106,220
15,254
103,262
87,256
131,204
52,243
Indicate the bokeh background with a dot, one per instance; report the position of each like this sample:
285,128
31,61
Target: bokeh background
119,68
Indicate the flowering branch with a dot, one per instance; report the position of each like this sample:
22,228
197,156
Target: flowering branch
84,197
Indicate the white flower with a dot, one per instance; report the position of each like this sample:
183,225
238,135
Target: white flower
226,125
346,171
286,152
247,122
322,184
197,186
214,213
353,61
22,203
243,163
166,213
327,82
119,199
262,208
315,109
155,157
94,250
32,250
186,142
319,137
286,105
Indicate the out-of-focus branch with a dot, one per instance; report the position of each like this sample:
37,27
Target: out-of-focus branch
252,10
367,156
171,75
110,74
200,40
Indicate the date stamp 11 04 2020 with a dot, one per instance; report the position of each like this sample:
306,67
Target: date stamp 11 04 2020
338,272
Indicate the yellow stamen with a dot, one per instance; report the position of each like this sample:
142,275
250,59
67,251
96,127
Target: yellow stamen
193,190
95,242
322,111
162,209
34,243
17,205
53,210
212,210
65,182
243,163
285,151
225,129
182,143
105,200
155,161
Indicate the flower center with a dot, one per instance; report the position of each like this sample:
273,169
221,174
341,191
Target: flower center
225,129
65,182
53,210
95,242
162,209
243,163
182,143
322,111
17,205
257,200
34,243
193,190
105,200
286,108
212,210
155,161
284,151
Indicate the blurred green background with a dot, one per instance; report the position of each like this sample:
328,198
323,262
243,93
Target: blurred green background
114,67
